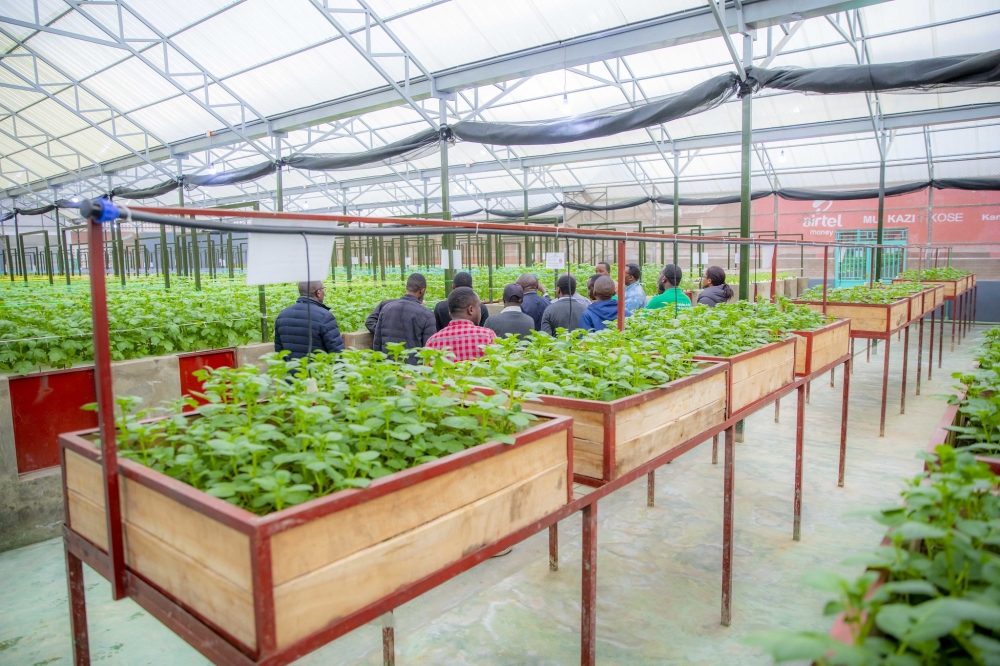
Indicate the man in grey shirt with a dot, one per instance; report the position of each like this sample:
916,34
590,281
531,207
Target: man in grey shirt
511,321
566,310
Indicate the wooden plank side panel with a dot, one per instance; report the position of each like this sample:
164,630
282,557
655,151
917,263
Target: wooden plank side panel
869,319
217,599
757,386
308,603
316,544
207,542
898,315
588,458
801,347
88,519
751,365
648,416
587,424
649,445
85,477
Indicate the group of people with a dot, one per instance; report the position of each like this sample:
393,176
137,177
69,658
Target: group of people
463,325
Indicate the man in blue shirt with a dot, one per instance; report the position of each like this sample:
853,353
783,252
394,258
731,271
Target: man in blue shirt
635,295
535,301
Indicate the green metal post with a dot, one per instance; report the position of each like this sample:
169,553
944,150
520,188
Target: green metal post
447,240
745,192
229,255
677,209
48,257
347,246
22,260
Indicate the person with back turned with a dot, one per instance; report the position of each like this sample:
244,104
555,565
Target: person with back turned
535,300
291,328
405,319
511,321
604,309
463,336
635,296
441,313
566,310
671,296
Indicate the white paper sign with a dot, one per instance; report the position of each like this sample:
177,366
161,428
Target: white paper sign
766,254
446,263
355,261
555,260
701,258
408,261
274,258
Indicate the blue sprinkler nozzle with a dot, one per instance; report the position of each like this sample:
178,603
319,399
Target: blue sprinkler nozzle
99,210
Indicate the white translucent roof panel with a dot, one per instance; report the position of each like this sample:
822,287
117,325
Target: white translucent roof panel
943,40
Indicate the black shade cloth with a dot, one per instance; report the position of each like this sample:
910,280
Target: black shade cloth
849,195
537,210
466,213
145,192
966,183
927,74
329,162
702,97
632,203
711,201
242,175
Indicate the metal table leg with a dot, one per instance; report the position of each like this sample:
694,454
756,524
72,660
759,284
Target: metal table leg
727,528
77,609
885,387
843,421
800,424
588,607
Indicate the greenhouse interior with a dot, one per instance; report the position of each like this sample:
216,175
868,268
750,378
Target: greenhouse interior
326,327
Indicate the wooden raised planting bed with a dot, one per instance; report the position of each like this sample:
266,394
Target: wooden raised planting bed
822,346
951,287
612,438
757,373
944,436
868,320
279,585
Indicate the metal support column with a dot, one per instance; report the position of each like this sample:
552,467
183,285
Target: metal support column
880,230
447,240
677,210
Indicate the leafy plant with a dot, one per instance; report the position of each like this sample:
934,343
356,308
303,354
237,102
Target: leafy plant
942,273
940,603
862,293
265,441
979,403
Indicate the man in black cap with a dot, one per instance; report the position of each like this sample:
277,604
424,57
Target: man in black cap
511,321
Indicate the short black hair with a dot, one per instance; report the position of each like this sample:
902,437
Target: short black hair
673,274
461,298
462,279
633,270
606,264
590,283
566,284
416,282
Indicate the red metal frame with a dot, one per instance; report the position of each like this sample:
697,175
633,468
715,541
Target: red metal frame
191,362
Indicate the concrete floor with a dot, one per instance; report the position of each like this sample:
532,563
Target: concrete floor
659,569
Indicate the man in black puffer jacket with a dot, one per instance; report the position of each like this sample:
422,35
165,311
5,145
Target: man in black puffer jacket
405,319
291,328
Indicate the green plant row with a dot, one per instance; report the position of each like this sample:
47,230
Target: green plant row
940,603
863,293
942,273
979,403
655,348
268,440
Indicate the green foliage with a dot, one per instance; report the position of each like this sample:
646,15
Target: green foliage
655,348
978,425
943,273
862,293
941,601
269,440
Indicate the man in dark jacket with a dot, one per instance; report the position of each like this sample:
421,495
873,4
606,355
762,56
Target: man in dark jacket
565,311
535,300
291,328
511,321
372,320
441,314
604,309
405,319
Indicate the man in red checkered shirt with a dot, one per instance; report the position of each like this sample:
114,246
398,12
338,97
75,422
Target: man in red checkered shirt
463,336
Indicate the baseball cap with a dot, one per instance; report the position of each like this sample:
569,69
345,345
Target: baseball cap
513,292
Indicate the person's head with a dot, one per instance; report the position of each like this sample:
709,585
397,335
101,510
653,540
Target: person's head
416,286
670,276
565,285
604,288
313,290
590,286
528,282
462,279
714,276
513,295
603,268
463,303
632,274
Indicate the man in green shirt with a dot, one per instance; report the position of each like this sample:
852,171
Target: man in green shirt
670,294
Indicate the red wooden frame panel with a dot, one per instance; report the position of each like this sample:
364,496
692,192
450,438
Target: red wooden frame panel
44,404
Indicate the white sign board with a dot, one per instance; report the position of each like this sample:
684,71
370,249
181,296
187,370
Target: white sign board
766,254
701,258
555,260
446,262
355,261
408,261
274,258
